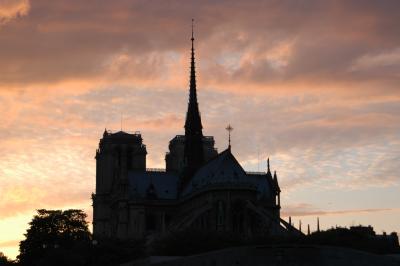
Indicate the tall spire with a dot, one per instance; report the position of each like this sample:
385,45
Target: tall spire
193,153
193,120
193,93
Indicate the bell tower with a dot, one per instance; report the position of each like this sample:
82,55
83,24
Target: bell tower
118,153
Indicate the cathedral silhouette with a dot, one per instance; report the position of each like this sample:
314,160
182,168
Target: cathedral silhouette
199,188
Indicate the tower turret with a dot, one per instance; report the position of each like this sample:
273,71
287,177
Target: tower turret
277,190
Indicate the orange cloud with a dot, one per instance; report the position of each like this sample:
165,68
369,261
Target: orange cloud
10,243
169,122
11,9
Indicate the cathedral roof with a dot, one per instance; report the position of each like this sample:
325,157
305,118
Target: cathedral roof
222,171
162,184
225,170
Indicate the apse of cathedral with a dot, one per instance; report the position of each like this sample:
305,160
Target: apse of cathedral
199,187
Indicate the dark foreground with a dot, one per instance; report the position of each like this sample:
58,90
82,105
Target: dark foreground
283,255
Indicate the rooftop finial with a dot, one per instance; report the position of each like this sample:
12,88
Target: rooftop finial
229,128
268,164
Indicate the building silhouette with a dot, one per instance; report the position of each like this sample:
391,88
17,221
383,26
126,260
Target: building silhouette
199,188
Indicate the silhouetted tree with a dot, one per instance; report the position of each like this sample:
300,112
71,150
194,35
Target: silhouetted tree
52,235
4,261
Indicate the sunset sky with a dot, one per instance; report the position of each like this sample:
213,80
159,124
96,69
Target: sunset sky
313,85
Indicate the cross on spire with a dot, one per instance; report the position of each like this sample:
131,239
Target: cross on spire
229,128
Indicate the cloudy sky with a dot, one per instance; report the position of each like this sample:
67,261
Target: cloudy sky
314,85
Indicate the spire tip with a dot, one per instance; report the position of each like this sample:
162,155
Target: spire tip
192,30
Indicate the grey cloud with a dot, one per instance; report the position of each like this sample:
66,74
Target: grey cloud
73,39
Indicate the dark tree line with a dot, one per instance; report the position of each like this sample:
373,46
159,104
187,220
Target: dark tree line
62,238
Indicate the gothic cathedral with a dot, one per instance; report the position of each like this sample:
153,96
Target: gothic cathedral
199,188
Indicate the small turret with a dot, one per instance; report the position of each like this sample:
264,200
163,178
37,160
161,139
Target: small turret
269,175
276,182
277,189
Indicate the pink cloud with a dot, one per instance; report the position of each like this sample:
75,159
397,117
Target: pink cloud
304,209
273,50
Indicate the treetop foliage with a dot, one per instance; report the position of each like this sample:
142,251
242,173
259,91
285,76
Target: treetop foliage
52,229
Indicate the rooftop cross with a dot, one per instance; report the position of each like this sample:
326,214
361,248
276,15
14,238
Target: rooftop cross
229,128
